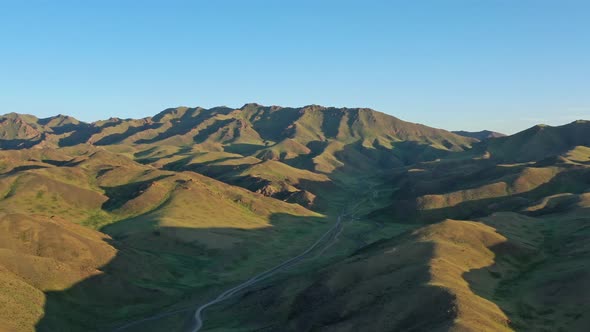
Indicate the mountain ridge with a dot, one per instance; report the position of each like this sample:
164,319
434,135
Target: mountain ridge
480,135
249,112
191,201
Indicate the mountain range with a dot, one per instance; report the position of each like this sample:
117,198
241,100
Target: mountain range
131,224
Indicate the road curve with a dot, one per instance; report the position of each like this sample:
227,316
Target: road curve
328,237
330,233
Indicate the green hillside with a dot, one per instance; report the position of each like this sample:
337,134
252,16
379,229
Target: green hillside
110,223
139,236
540,142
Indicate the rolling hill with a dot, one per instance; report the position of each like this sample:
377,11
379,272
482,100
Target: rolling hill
540,142
111,222
241,145
504,272
96,222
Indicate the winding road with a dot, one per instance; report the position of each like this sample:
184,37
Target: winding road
326,240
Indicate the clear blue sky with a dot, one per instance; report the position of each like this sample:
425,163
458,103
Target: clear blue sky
471,64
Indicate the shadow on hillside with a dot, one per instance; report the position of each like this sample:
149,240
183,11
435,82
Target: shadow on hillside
159,269
118,137
191,119
545,287
63,163
82,134
305,161
274,126
382,287
163,268
23,168
346,168
244,148
235,174
143,157
361,159
211,129
119,195
18,144
207,168
576,180
497,281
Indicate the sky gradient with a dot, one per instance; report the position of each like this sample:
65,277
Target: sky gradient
470,64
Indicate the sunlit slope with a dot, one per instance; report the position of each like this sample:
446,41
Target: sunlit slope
264,132
424,269
95,187
413,282
161,224
292,154
475,187
39,254
504,272
269,177
169,210
540,142
542,285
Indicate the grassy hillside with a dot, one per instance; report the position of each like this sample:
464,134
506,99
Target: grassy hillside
145,228
274,132
42,254
540,142
504,272
465,187
117,220
314,145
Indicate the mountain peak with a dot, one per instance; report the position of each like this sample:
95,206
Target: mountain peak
18,127
58,120
246,105
480,135
541,141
